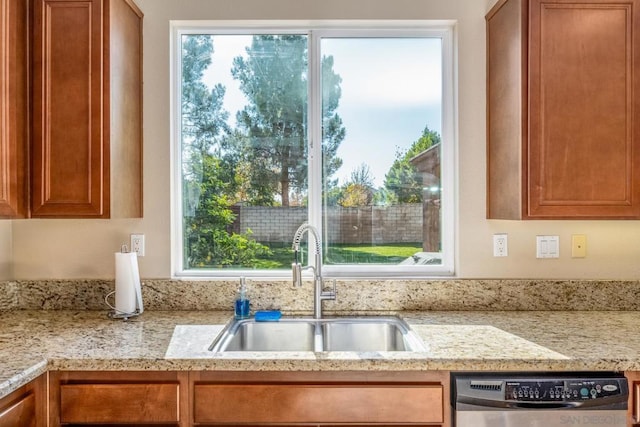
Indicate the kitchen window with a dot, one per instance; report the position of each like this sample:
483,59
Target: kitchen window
347,126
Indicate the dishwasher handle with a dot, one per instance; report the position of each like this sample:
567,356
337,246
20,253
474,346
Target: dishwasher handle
613,402
547,405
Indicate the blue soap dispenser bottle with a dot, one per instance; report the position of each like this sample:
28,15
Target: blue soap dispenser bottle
242,310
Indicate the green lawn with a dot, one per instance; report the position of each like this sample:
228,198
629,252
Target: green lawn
345,254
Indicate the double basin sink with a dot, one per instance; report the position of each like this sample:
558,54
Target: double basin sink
360,334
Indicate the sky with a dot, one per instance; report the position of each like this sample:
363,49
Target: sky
391,89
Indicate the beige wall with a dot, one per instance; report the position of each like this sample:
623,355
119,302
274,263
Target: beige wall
6,266
84,248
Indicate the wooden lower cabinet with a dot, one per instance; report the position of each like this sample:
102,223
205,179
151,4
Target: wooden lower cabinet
634,398
272,399
116,398
326,398
25,407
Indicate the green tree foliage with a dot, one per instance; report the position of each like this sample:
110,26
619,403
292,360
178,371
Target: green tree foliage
359,190
209,168
354,195
210,242
333,131
273,77
204,120
403,182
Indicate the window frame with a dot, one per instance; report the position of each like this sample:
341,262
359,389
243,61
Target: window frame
315,31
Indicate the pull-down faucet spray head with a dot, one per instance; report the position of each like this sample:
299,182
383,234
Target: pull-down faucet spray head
296,267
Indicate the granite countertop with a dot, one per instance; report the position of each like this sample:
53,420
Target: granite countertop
32,342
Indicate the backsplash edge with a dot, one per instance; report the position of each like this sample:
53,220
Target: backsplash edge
353,295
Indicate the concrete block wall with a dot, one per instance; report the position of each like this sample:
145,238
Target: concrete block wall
367,224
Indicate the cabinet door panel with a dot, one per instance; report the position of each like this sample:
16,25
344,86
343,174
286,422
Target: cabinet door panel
289,403
582,160
119,403
68,150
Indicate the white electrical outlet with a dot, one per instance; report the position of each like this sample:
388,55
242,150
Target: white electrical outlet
137,244
500,245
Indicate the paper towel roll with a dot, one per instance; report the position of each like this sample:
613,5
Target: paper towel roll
128,295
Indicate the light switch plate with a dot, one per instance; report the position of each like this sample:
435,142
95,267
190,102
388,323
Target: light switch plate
547,246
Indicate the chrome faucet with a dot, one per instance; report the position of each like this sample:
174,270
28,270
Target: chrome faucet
319,294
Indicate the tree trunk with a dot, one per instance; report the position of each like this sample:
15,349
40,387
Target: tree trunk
285,191
284,178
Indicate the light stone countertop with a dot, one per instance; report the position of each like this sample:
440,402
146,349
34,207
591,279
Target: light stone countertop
32,342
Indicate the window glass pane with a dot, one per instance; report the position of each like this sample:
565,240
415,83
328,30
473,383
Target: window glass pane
244,149
382,121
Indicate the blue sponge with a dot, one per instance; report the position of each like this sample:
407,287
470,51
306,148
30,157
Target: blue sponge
268,316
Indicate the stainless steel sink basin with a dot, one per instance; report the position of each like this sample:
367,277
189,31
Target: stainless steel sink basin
249,335
362,334
389,334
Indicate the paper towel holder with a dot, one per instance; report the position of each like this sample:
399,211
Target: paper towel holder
135,277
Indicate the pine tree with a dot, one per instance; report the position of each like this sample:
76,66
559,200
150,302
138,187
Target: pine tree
403,181
273,77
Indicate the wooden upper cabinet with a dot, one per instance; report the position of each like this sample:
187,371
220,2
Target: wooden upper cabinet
563,106
86,152
13,108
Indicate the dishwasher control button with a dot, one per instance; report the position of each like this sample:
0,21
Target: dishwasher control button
593,393
584,392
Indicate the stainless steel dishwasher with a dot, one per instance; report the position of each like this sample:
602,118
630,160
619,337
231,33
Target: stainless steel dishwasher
539,400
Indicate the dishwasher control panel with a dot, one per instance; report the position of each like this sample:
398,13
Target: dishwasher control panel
544,399
561,390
